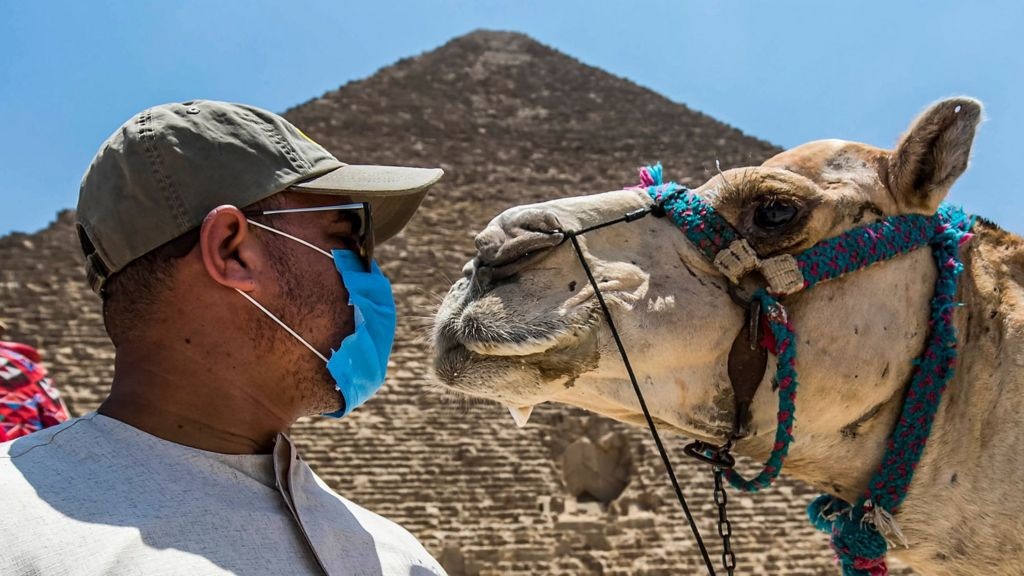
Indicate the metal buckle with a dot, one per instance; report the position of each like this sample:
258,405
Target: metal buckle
717,456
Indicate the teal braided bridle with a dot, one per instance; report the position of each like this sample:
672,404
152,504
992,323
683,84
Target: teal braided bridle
856,529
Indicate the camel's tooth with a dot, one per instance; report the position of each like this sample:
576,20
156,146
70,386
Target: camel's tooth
521,414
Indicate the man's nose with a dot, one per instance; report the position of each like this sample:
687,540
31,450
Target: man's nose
513,241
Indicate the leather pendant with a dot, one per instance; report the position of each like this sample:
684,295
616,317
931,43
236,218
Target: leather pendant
748,361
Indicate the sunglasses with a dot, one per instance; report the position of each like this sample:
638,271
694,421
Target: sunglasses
358,214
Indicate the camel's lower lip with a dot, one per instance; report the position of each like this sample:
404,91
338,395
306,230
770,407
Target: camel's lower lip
459,356
512,377
504,379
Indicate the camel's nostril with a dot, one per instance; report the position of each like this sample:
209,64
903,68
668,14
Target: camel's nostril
489,243
518,253
513,241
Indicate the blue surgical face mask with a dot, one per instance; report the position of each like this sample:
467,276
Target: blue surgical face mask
359,365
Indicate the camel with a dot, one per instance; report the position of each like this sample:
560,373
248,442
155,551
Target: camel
523,327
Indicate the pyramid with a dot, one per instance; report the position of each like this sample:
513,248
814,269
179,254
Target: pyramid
511,121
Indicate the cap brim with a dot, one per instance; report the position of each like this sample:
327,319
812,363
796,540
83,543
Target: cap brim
394,192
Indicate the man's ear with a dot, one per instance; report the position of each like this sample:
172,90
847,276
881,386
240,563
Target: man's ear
933,154
226,255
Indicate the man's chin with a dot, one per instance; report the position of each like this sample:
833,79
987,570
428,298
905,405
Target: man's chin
324,400
333,406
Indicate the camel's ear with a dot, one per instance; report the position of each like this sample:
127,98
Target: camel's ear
933,154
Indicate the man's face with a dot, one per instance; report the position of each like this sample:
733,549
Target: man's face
306,292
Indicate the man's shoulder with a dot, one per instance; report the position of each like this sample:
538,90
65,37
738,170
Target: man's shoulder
39,474
44,442
43,460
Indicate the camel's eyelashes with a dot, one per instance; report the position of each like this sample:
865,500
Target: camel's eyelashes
774,213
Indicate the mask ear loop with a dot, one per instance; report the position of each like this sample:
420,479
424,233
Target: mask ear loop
282,325
290,237
268,312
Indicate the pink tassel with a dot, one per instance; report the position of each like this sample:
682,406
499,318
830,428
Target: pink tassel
645,178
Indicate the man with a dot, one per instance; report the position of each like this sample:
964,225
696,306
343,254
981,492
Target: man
28,401
234,259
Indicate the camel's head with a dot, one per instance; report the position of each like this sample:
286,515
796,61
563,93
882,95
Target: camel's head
523,326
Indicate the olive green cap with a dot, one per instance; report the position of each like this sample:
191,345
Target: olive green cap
164,170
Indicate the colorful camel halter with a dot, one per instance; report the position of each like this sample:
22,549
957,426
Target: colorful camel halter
859,530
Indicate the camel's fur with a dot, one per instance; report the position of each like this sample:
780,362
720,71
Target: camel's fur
523,327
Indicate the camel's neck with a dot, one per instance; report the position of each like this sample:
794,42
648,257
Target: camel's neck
964,509
966,491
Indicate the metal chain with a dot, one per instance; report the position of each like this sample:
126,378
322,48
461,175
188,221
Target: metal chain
724,527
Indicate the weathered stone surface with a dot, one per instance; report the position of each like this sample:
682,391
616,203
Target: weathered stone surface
511,121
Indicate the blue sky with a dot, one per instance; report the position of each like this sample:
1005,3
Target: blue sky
785,71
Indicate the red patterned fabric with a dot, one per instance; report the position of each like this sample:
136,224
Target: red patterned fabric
28,401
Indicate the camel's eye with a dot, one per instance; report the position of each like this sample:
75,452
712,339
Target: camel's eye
774,213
